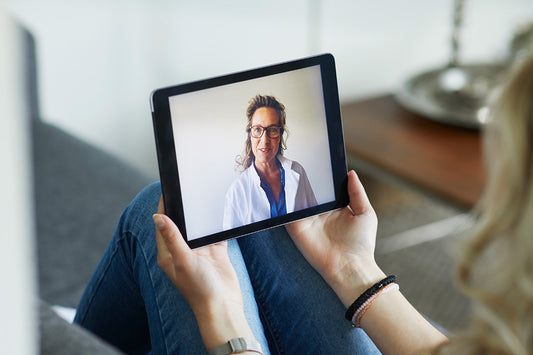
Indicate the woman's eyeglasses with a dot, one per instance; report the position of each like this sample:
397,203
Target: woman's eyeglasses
272,131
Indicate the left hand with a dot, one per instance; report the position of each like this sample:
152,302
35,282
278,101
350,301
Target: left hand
207,280
202,275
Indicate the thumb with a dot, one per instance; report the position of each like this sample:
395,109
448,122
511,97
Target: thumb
170,242
359,203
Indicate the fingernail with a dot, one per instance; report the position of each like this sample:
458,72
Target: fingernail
159,221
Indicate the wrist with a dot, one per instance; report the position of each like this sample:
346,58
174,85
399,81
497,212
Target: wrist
220,323
357,275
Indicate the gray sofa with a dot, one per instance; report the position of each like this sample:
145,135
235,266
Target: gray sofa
80,192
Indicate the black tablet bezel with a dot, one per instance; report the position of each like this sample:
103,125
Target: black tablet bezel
166,152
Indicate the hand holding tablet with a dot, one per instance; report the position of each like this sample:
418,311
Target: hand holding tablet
251,150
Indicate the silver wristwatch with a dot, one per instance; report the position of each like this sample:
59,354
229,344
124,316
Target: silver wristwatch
237,345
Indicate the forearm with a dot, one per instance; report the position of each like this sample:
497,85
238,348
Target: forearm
207,280
218,324
394,325
353,278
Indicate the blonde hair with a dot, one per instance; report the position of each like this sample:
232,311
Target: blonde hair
246,159
496,265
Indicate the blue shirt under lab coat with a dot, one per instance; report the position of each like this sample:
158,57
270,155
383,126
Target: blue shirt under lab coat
247,202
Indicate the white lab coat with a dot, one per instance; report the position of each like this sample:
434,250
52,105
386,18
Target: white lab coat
246,201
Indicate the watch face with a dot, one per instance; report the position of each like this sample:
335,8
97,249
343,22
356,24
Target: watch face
237,345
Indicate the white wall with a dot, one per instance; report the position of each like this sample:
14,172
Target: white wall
99,60
18,312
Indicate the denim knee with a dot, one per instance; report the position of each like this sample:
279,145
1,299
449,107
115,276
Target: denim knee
139,212
149,196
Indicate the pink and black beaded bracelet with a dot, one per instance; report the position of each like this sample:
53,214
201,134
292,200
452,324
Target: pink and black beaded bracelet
368,294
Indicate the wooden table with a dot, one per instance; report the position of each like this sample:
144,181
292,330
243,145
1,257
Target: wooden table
440,159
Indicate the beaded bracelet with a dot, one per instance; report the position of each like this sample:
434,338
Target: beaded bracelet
367,294
356,319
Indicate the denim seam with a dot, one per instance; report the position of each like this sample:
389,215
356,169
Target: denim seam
138,225
152,283
99,282
271,324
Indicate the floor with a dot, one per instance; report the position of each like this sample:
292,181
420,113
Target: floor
418,237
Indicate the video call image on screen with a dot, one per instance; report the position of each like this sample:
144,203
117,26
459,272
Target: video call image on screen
209,128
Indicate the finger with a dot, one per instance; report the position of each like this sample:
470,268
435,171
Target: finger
359,202
170,242
167,228
215,252
296,228
291,227
161,206
162,249
304,233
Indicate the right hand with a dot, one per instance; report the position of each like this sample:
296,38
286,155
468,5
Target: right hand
340,244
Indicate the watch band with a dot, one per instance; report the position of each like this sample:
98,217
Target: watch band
237,345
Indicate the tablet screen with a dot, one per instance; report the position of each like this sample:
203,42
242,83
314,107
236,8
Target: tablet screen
251,150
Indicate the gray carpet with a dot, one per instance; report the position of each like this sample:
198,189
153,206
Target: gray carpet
425,268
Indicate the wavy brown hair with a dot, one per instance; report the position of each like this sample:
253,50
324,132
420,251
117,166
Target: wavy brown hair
247,157
496,267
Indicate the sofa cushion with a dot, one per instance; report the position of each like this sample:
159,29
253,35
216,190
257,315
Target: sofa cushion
80,192
59,337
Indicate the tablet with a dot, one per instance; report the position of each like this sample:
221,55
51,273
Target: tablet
251,150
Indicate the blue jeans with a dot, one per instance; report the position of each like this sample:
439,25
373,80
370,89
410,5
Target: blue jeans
130,302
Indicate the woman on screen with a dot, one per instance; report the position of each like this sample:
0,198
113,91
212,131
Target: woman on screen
270,185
